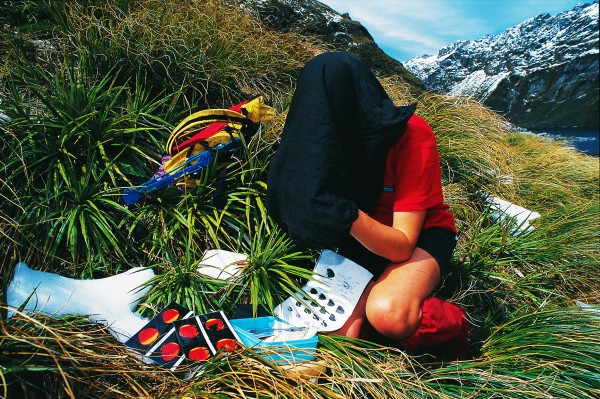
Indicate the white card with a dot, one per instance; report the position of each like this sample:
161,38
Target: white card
503,209
335,288
221,264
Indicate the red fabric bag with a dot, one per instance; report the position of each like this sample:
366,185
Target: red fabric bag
442,323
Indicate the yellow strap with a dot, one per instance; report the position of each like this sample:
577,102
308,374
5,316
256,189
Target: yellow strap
257,111
178,159
204,117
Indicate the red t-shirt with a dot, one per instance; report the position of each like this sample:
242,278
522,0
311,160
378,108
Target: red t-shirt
413,179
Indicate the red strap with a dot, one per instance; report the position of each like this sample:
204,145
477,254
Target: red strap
207,132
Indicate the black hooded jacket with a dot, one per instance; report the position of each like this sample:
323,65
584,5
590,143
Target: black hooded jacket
331,159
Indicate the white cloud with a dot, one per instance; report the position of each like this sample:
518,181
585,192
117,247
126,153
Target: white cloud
416,27
404,23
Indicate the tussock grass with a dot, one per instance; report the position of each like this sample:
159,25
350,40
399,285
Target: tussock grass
215,49
536,355
128,71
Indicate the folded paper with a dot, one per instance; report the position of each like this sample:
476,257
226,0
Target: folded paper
221,264
503,210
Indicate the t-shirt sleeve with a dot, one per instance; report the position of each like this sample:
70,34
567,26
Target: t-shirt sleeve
418,174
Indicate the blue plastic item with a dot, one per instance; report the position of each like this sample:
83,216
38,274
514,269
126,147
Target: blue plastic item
192,165
251,330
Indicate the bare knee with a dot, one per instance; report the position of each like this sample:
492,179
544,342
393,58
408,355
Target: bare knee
392,318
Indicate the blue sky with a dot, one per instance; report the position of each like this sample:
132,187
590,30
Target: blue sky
405,29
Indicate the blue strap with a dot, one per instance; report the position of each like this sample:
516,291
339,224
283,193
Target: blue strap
190,166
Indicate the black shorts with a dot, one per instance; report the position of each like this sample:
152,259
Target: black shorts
439,242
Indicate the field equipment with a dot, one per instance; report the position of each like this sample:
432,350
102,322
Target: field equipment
199,140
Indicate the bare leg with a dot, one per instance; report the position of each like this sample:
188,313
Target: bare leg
392,304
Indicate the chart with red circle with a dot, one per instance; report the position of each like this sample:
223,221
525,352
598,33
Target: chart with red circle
176,337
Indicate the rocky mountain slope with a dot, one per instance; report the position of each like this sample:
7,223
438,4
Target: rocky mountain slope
315,20
542,73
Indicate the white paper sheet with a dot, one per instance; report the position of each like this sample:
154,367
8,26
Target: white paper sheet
502,209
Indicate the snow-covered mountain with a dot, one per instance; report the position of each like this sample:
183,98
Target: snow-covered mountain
541,73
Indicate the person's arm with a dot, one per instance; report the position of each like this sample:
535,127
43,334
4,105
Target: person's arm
396,242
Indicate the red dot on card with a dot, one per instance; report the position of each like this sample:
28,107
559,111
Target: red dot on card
170,315
199,354
170,351
188,331
227,344
214,324
147,336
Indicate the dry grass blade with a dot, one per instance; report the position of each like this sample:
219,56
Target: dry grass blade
81,358
211,45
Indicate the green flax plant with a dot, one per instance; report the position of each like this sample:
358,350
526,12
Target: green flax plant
275,268
79,221
173,215
178,280
71,142
173,228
